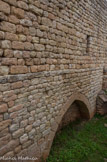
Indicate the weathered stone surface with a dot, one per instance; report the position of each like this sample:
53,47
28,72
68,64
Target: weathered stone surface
18,133
17,85
34,69
1,35
14,19
4,124
23,138
17,45
9,27
4,70
11,36
4,132
3,108
15,108
22,5
28,128
19,69
52,53
14,127
9,154
23,123
8,53
18,149
6,44
39,47
4,7
26,22
35,10
32,134
6,116
27,144
8,61
4,140
18,12
10,146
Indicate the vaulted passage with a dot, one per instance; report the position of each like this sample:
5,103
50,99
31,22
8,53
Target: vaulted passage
76,107
77,111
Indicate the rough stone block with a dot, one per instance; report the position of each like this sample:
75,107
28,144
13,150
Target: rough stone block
4,124
4,7
6,44
18,12
24,138
3,108
18,133
9,61
18,69
9,27
4,70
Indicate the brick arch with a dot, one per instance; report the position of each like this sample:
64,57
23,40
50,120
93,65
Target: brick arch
83,102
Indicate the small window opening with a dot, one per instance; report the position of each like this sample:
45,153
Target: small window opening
88,44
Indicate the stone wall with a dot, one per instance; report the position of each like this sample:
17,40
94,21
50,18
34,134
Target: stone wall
50,50
105,79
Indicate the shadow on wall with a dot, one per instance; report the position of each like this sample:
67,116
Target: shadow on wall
77,110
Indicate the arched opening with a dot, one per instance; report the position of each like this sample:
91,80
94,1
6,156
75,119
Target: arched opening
76,111
80,104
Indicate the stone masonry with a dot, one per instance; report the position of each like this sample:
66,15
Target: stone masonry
52,54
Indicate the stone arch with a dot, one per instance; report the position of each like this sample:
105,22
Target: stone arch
83,102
